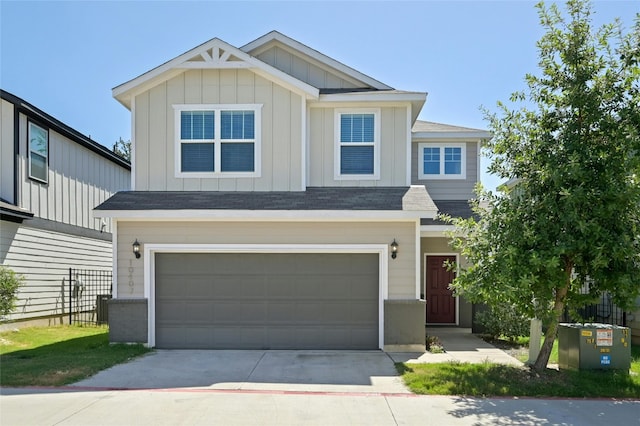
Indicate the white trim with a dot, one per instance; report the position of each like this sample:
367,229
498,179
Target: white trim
378,96
435,230
151,249
314,54
303,144
133,144
125,92
441,147
471,135
337,175
457,298
266,215
114,252
217,140
409,146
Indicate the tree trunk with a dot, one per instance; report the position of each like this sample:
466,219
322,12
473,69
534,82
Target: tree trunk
552,329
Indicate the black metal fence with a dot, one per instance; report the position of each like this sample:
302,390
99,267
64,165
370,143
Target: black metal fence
89,292
605,312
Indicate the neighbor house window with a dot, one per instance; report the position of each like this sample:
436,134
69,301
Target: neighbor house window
38,152
217,140
357,144
441,161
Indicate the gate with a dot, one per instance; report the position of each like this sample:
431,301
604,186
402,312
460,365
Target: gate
89,294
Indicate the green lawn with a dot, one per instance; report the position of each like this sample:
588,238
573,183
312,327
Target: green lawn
500,380
56,356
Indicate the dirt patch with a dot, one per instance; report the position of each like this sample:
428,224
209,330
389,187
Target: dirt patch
514,349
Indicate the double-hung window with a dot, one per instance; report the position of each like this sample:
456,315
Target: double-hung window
441,161
357,134
38,152
218,140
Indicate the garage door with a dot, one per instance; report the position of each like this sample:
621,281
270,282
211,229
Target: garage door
266,301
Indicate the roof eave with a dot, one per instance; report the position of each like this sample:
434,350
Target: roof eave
479,135
125,92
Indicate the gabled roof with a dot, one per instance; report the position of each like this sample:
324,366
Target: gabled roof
430,130
274,37
63,129
213,54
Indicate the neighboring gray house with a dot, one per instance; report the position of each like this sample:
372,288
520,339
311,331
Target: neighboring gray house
51,177
282,199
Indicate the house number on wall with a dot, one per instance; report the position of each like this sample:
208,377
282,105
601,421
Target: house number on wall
130,277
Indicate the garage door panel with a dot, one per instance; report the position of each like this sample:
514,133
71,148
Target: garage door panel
267,301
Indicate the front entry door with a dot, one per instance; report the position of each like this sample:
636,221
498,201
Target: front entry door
441,305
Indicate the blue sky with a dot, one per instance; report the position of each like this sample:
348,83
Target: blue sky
65,56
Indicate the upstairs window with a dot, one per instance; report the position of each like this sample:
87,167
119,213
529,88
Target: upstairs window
441,161
217,140
38,153
357,144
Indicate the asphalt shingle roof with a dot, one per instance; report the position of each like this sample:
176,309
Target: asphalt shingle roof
326,198
454,208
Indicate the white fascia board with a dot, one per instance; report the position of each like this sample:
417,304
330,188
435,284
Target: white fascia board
452,135
266,215
124,92
435,230
375,96
314,54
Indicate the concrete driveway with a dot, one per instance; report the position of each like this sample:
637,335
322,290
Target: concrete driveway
309,371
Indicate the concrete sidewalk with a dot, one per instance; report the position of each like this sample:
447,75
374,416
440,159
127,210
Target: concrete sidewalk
45,407
459,346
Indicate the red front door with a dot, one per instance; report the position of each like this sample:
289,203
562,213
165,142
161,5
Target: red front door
441,305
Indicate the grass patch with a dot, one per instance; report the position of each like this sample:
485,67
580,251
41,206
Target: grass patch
489,379
57,356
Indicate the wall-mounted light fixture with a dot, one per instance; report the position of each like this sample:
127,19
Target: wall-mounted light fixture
136,249
394,249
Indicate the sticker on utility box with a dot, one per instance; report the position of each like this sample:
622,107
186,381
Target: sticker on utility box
604,338
605,359
586,333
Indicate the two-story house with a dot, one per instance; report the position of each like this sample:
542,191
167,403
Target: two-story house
51,178
282,199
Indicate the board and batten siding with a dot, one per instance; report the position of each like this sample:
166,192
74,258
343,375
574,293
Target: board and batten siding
281,132
79,180
451,189
44,257
393,147
402,270
305,70
6,151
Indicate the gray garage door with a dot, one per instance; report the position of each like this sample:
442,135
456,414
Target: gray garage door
266,301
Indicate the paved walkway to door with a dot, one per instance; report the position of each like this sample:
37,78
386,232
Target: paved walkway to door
459,346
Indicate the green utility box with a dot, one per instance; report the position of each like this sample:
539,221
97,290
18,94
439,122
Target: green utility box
594,346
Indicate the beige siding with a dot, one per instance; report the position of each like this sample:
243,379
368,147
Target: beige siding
393,148
79,180
281,132
402,278
306,69
44,258
6,151
453,189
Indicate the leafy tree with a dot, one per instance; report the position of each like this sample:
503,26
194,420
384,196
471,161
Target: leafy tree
570,230
9,284
123,149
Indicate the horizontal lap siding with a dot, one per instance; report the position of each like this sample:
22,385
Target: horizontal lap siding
44,258
453,189
281,133
402,279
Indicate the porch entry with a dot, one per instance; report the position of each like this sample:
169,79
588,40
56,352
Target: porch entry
441,304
